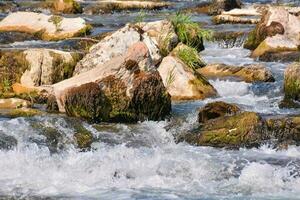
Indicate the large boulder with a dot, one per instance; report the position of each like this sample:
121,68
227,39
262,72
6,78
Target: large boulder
182,82
248,73
126,88
278,31
47,66
292,86
35,67
48,27
215,110
159,37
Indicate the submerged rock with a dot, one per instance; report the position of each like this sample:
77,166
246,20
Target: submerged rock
14,36
248,73
128,84
7,142
47,27
278,31
182,82
291,86
216,109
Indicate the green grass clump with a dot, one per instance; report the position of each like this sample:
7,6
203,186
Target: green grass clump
190,57
189,32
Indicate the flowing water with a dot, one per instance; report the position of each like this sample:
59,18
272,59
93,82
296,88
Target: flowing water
143,161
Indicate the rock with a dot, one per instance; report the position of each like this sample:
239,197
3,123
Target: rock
129,85
6,7
228,19
14,103
182,82
215,110
48,27
22,112
189,56
7,142
12,66
21,89
117,43
248,73
111,46
13,36
83,137
292,86
286,56
87,101
240,130
66,6
163,35
278,31
218,6
249,11
107,6
47,66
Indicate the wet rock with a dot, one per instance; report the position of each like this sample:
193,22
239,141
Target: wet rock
230,39
182,82
83,137
47,66
216,109
278,31
87,101
248,73
108,6
228,19
22,112
292,86
129,84
218,6
47,27
11,37
7,142
286,56
6,7
13,103
240,130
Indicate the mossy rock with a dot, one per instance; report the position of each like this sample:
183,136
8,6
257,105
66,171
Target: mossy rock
240,130
292,86
83,137
87,101
12,65
23,113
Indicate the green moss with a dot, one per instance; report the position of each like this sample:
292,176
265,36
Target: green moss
85,31
23,113
292,88
56,20
12,66
83,137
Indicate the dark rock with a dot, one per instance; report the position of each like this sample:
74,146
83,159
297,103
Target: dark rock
7,142
11,37
218,6
216,109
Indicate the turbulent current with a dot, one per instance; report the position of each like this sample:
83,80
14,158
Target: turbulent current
143,161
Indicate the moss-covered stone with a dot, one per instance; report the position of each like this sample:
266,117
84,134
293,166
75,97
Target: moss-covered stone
240,130
12,66
83,137
23,113
292,86
87,101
